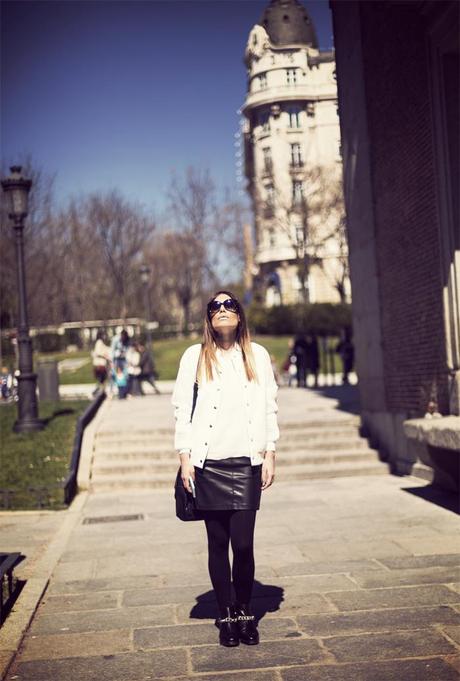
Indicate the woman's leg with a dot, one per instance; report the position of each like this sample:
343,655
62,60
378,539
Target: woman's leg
242,525
218,530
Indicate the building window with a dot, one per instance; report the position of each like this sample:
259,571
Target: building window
268,163
262,81
268,209
291,76
296,155
297,192
271,237
294,116
270,189
299,235
264,121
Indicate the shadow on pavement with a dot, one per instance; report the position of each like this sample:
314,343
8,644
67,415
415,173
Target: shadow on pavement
448,500
265,598
346,395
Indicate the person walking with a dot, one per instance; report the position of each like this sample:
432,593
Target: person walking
227,452
346,351
312,357
119,348
300,351
148,372
133,364
101,357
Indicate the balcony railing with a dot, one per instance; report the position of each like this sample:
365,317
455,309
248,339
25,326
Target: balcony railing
268,211
296,166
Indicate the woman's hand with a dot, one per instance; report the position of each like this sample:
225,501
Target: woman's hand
187,470
268,469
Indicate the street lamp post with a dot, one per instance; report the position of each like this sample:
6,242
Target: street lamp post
16,188
145,271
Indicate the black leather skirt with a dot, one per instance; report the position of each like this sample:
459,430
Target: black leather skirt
228,485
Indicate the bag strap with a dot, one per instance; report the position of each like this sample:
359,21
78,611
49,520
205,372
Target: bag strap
195,387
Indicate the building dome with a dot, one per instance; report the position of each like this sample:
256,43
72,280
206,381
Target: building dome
287,23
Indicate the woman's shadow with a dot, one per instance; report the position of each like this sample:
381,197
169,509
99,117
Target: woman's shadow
265,598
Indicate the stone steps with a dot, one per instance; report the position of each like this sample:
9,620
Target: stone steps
166,450
104,467
157,442
298,472
326,444
334,424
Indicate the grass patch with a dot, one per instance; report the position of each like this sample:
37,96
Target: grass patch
38,460
168,353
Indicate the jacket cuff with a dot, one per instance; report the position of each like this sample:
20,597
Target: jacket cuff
271,447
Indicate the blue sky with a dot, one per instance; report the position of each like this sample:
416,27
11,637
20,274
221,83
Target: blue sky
122,94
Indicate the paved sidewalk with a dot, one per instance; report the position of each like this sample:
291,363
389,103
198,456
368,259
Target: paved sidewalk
358,579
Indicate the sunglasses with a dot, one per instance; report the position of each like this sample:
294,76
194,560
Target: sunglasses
229,304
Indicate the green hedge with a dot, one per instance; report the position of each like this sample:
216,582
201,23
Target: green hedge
320,318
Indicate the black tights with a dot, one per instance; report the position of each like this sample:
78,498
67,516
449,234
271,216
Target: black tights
236,527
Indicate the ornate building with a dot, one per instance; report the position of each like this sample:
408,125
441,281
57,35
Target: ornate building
292,160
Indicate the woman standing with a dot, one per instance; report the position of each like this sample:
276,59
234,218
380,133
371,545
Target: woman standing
227,452
101,360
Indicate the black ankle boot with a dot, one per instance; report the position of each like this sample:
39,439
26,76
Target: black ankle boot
228,628
246,624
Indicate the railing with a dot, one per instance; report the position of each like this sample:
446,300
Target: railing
70,483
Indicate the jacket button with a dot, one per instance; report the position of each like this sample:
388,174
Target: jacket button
205,444
210,425
216,407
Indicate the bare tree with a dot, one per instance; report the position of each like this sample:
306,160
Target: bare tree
122,231
193,214
311,224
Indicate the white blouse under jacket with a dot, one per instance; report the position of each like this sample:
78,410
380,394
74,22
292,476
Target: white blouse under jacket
259,399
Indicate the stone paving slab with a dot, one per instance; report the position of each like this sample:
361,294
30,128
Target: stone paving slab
384,645
65,645
433,669
441,560
377,620
266,654
434,575
139,666
327,568
100,620
88,601
374,599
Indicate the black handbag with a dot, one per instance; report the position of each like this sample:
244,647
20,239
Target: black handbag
185,503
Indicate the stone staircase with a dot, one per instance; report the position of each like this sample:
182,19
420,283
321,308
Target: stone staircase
325,447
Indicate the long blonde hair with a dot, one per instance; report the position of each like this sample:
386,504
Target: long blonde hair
208,358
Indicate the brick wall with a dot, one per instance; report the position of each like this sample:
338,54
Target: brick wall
403,183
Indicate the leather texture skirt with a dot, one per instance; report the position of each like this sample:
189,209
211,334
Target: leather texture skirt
228,485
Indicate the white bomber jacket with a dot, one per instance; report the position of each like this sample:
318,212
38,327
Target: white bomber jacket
259,399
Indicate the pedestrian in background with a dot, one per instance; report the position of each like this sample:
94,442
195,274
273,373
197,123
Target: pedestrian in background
101,357
133,365
300,350
148,372
312,357
346,351
227,452
119,348
121,380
